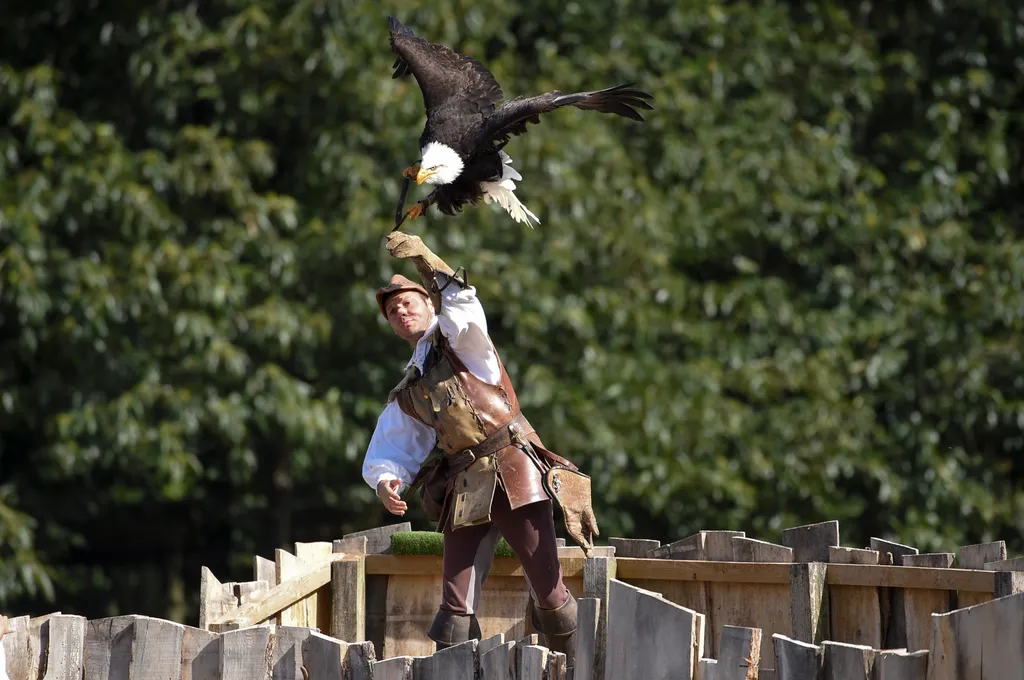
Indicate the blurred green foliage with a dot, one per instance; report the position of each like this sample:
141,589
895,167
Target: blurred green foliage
794,294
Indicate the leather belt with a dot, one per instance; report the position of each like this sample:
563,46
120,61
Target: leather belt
506,435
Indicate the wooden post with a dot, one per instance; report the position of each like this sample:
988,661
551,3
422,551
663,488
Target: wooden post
808,590
200,655
317,605
325,657
921,603
587,616
348,606
855,611
597,575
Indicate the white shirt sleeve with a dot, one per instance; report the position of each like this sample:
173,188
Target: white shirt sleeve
398,447
463,322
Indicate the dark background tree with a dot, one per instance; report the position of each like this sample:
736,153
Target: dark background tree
794,294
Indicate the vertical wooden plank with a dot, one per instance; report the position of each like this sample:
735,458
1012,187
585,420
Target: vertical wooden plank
848,662
359,660
65,649
395,668
707,669
556,666
325,657
893,608
288,567
245,654
633,547
587,616
156,649
348,609
499,663
719,544
535,660
974,557
648,636
796,660
855,611
200,654
458,662
16,647
810,542
964,642
741,651
900,665
313,554
808,589
108,648
920,604
264,570
287,661
215,598
598,573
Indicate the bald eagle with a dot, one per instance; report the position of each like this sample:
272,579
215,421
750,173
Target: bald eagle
466,130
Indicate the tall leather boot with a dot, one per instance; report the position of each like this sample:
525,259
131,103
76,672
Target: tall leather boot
557,628
449,629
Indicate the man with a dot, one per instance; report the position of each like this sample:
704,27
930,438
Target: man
489,480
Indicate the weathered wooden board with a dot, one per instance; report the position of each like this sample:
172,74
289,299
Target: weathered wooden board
317,605
855,611
921,603
974,557
982,642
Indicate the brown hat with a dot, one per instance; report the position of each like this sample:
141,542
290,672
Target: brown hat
397,284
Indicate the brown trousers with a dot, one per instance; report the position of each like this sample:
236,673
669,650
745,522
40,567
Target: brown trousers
469,553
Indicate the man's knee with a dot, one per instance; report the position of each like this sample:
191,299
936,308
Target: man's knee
450,628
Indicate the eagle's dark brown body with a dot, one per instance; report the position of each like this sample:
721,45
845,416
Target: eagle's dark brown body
465,111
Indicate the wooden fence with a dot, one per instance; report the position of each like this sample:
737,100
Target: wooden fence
350,609
648,637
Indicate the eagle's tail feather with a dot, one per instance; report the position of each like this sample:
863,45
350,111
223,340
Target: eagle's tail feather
503,192
621,100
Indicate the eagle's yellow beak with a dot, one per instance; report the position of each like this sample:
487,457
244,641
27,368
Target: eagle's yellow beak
423,174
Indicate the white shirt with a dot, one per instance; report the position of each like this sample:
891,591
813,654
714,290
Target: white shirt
400,443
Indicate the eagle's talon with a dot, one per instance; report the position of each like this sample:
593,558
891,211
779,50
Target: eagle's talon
411,171
415,211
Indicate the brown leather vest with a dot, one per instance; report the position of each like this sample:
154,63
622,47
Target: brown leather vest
464,410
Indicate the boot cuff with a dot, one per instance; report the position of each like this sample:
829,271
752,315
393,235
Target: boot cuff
451,629
560,621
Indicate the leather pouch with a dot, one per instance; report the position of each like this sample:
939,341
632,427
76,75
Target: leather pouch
474,492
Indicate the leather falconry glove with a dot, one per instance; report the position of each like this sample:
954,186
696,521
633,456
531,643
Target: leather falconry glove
571,489
406,246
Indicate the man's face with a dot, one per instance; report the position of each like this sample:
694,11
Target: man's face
409,314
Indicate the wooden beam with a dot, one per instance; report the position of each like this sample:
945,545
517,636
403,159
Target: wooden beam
283,595
422,565
911,577
699,570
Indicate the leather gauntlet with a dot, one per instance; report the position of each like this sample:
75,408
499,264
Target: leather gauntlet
571,490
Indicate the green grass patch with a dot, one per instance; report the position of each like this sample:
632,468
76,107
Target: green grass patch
432,543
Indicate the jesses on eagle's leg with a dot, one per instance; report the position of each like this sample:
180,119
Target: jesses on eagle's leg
420,207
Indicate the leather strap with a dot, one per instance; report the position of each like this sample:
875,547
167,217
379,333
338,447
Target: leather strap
517,428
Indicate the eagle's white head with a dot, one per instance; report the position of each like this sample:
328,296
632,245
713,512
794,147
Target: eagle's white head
440,164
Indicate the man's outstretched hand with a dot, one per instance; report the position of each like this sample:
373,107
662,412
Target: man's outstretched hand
387,491
404,246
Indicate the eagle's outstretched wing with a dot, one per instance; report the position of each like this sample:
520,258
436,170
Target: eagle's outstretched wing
442,73
511,118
